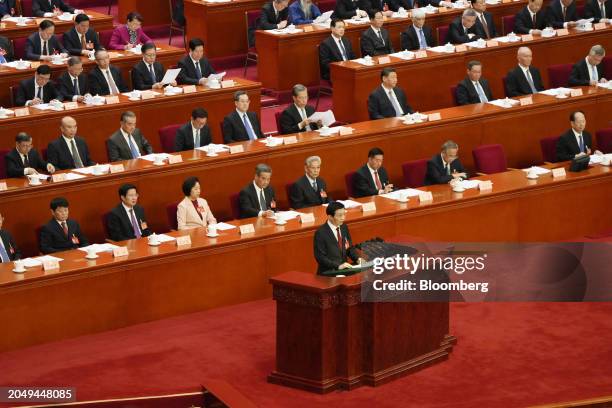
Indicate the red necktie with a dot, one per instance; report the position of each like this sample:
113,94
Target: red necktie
65,228
339,236
377,180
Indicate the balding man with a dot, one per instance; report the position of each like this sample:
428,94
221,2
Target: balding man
575,142
530,20
310,189
69,151
463,29
417,36
524,79
561,14
589,71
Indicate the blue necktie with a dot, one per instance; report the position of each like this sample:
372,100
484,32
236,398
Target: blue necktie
2,59
481,94
3,254
581,143
422,41
248,127
153,79
198,71
133,148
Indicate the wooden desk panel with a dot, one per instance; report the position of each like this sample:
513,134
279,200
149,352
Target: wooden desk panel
154,12
427,82
25,208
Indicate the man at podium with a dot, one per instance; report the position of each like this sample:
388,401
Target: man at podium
332,241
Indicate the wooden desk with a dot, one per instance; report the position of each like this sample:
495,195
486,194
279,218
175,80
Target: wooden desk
221,26
99,22
518,130
166,54
428,81
97,123
157,282
280,53
154,12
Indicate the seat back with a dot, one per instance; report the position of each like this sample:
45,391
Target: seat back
507,24
171,214
104,220
442,34
549,148
167,134
26,8
604,140
104,37
607,63
13,94
3,153
235,205
559,75
414,173
490,159
19,47
504,82
348,180
277,116
453,91
288,188
326,5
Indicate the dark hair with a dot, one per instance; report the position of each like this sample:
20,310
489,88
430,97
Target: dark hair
472,64
333,207
375,151
123,190
335,21
43,70
127,114
22,137
98,51
58,202
194,43
385,72
238,94
134,16
74,60
199,113
80,18
46,24
189,184
148,46
573,115
372,13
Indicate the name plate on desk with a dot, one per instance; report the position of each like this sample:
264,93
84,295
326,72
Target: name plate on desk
58,177
3,186
576,92
183,241
120,251
307,218
426,197
308,28
432,117
71,105
236,149
485,185
175,158
22,112
50,265
2,26
599,26
562,31
112,99
442,9
492,43
526,101
384,60
228,83
527,37
147,95
34,64
558,172
247,229
189,89
290,140
420,54
346,131
461,48
116,168
368,207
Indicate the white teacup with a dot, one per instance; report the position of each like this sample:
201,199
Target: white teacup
19,267
458,188
211,229
214,84
280,221
153,239
97,170
34,180
91,253
532,174
159,160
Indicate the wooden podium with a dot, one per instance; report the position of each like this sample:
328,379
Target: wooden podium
326,338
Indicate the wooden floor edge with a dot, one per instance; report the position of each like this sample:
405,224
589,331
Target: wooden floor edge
599,402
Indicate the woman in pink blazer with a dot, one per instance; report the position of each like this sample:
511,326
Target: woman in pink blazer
127,36
193,211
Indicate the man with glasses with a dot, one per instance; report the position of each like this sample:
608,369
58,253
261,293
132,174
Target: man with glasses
24,160
241,125
128,142
148,73
72,84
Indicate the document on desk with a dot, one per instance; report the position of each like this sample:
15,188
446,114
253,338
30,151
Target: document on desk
99,248
600,158
407,192
170,76
326,118
504,103
467,184
216,77
347,204
74,176
538,170
285,215
99,169
151,157
323,17
223,226
38,261
213,148
556,91
405,55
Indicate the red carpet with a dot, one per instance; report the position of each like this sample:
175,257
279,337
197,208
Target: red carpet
508,355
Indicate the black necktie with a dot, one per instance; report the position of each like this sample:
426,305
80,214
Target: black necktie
45,50
152,73
75,83
39,93
198,71
26,162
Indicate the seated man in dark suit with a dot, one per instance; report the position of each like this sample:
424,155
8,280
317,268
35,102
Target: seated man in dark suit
128,142
332,241
445,167
372,179
599,10
148,73
194,133
376,40
576,141
524,79
72,84
50,8
195,67
39,89
274,15
417,36
127,220
61,233
7,8
257,198
473,88
8,249
105,79
589,71
241,125
561,14
81,39
485,26
530,20
463,29
42,45
69,151
24,160
294,118
6,50
310,189
334,48
346,9
388,100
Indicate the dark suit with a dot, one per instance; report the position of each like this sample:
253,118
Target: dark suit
567,145
592,9
523,22
73,44
410,39
490,26
372,45
436,173
60,155
234,130
184,137
458,35
347,8
517,85
119,224
9,245
466,91
7,7
269,19
53,239
141,76
98,84
14,163
363,183
290,118
580,73
40,7
248,201
303,195
329,52
34,47
7,46
396,4
118,148
66,88
27,91
189,75
554,14
327,250
379,104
